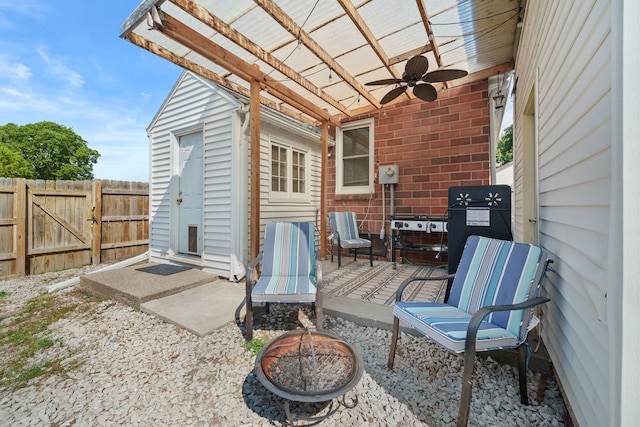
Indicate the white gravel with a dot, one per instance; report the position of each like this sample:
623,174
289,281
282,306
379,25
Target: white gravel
124,367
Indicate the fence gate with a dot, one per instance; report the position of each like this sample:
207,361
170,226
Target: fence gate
59,230
55,225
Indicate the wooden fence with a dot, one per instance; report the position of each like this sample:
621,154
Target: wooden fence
55,225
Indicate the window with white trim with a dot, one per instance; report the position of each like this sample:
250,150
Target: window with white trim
354,157
289,172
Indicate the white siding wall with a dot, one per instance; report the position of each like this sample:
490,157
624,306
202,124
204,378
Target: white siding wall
567,45
307,210
193,105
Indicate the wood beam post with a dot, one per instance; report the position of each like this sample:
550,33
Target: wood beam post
254,131
323,189
20,215
96,222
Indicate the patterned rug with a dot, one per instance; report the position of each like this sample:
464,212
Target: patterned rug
379,283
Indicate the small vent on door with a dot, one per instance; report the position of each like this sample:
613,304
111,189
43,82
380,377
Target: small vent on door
193,238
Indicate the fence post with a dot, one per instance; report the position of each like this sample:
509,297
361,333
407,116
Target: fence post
97,221
20,214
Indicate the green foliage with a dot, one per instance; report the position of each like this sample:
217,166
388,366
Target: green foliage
13,165
255,345
45,150
4,294
504,151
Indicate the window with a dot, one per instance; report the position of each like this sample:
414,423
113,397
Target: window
288,172
354,163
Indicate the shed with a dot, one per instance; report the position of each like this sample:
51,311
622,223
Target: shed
199,164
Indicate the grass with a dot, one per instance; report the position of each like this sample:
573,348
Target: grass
255,345
27,333
4,294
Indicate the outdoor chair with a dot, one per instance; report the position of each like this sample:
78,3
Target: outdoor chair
345,235
290,271
490,307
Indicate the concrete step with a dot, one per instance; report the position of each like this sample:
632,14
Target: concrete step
144,282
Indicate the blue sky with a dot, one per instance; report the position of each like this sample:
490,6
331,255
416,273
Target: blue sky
63,61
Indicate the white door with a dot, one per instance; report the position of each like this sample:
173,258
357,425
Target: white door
190,194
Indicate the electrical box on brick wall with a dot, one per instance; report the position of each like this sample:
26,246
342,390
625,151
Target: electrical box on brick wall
388,174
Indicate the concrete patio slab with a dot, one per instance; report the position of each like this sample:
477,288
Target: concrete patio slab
202,309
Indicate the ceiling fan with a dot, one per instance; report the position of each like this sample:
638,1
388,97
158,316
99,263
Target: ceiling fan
415,72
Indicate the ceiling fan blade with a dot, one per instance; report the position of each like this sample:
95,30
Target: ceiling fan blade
443,75
393,94
384,82
426,92
416,67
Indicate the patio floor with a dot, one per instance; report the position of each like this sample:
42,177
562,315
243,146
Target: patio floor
378,284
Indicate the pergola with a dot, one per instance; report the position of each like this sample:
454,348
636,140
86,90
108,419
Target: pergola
311,60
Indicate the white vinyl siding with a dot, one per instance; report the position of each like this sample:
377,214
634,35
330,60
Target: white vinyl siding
293,208
566,47
191,106
196,104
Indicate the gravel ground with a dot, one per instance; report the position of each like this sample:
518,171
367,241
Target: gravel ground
116,366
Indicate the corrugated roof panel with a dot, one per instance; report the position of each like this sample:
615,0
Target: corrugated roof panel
297,57
339,36
479,34
384,17
226,10
262,29
360,60
311,14
409,38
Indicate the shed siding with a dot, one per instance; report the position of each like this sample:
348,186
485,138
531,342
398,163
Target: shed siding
289,211
194,106
198,105
566,46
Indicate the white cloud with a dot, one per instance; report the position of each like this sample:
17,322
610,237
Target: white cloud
13,70
56,67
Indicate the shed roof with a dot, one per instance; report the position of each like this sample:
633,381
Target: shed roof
313,59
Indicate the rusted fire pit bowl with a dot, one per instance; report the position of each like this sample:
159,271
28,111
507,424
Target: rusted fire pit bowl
308,366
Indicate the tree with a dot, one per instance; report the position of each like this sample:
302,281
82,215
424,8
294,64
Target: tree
50,150
13,165
504,151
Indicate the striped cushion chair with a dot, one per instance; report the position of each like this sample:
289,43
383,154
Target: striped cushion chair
345,235
290,271
490,306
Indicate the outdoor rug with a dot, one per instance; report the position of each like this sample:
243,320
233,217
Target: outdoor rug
378,284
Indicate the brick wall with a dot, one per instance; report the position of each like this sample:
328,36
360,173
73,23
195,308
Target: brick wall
436,145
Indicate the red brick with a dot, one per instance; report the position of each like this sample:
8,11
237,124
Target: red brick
459,176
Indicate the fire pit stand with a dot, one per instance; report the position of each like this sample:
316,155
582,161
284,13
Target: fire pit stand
309,366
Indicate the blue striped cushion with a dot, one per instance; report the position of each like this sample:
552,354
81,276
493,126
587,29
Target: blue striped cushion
496,272
288,266
345,224
447,326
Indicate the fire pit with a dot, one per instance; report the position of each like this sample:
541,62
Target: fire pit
309,366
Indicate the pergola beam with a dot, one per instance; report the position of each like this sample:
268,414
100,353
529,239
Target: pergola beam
296,31
364,29
208,74
215,53
206,17
427,27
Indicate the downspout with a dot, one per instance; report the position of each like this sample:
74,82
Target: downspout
237,268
